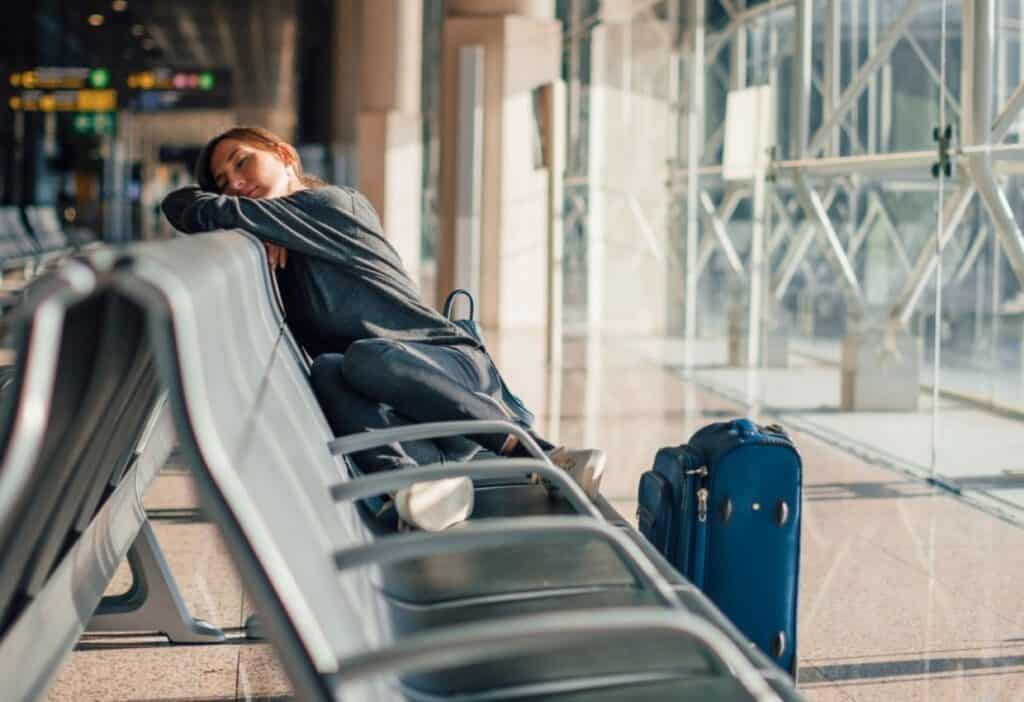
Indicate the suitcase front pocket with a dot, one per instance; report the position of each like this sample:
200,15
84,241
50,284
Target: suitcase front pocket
654,510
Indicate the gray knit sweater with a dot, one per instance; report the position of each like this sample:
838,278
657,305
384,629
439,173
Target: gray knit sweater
343,280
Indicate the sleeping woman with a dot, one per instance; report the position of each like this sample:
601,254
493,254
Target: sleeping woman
381,357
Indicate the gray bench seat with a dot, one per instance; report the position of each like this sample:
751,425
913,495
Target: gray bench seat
85,431
356,613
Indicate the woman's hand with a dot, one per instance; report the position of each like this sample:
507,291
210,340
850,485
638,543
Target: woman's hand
277,256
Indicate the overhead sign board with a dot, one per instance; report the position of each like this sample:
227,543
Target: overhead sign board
167,88
60,78
62,89
64,101
96,89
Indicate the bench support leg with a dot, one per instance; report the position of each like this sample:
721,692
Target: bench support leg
153,603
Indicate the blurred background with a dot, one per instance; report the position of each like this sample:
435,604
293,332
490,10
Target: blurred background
809,208
579,164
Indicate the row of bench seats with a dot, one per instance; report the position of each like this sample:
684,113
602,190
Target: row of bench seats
32,238
30,232
534,598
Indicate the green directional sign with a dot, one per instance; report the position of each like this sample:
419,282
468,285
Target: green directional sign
99,78
95,123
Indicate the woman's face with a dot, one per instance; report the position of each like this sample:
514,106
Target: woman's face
243,170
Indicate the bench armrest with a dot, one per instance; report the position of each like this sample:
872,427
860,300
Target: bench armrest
504,531
353,443
472,643
388,481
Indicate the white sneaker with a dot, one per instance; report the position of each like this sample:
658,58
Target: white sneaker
585,466
435,505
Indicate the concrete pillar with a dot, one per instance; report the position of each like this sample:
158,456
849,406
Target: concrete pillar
390,123
346,60
271,103
521,46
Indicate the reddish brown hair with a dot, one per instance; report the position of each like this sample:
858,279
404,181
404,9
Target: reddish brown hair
258,138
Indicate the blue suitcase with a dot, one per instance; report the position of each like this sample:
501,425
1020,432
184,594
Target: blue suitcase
725,511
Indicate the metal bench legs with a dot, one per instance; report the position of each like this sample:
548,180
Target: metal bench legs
153,603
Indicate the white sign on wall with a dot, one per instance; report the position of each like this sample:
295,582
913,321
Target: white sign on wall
749,132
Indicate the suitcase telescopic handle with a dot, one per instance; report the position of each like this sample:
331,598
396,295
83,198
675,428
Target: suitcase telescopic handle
744,427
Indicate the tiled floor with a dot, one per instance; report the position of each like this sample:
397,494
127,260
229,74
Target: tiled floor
907,592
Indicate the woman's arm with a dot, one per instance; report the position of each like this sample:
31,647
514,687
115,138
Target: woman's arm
277,221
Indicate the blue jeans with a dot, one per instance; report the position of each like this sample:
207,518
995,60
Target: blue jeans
381,383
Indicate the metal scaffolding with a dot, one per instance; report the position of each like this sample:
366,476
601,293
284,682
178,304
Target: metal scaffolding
820,162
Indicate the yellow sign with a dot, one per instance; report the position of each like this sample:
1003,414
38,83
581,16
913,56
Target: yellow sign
97,100
51,78
148,80
65,101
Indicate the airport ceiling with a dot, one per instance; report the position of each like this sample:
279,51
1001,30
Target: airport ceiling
253,39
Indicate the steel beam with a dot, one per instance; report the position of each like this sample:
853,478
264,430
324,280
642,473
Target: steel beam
952,213
972,256
713,142
831,82
718,227
1008,115
873,80
932,71
694,140
795,254
851,133
854,42
726,209
738,57
893,230
834,252
860,81
801,78
979,30
784,227
757,278
909,161
718,41
857,240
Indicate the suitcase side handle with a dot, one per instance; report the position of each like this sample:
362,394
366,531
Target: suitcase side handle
693,460
745,427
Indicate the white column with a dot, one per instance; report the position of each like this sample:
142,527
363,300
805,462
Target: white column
390,124
521,44
346,49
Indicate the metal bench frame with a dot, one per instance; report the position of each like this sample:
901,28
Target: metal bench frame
314,668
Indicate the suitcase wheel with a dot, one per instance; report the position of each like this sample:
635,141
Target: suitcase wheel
779,645
782,512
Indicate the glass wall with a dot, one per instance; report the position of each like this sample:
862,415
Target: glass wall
856,277
833,242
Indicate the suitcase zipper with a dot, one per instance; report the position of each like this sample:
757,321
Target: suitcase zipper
700,538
